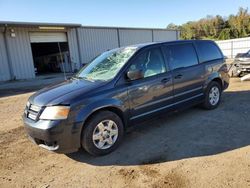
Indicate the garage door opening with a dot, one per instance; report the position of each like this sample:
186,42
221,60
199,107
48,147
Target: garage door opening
50,53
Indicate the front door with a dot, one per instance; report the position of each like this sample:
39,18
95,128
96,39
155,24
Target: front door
154,92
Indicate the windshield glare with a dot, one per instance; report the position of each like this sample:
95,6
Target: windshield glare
106,66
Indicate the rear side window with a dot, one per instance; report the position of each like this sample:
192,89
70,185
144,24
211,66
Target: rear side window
181,55
208,51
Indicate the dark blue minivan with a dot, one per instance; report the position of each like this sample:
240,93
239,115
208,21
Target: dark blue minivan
123,86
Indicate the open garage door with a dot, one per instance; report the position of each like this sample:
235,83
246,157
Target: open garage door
50,52
38,37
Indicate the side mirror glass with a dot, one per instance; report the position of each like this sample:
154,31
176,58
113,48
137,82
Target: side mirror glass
135,74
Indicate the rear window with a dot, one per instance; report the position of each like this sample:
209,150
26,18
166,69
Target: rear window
208,51
181,55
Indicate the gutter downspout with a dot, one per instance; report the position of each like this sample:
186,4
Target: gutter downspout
12,76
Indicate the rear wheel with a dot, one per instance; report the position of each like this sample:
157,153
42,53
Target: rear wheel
102,133
212,96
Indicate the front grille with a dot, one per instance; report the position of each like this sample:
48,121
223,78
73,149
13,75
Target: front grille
32,111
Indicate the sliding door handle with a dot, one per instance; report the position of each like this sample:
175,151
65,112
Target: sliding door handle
179,76
165,80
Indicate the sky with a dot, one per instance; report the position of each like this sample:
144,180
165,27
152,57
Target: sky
122,13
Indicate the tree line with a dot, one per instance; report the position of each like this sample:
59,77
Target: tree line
216,27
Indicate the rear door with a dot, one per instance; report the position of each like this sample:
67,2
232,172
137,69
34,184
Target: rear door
154,92
188,74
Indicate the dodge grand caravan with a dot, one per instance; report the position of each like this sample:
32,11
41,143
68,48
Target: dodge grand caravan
120,87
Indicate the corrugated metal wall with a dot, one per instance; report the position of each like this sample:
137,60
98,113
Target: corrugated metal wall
20,54
161,35
134,36
94,41
4,68
84,44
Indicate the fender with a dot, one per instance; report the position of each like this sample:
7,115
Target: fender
212,76
87,110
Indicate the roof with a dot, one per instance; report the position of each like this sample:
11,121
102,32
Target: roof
11,23
141,45
132,28
28,24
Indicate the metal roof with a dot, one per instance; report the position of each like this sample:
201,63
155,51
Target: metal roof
35,24
23,24
132,28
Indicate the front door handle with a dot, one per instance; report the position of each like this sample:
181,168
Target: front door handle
179,76
165,80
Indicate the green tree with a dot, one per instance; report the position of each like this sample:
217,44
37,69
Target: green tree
216,27
224,34
172,26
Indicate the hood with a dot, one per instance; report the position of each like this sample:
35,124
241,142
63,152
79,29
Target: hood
52,93
244,59
240,55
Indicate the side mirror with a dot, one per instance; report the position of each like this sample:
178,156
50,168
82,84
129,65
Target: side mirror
135,74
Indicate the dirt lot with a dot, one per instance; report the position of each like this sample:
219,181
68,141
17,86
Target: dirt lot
194,148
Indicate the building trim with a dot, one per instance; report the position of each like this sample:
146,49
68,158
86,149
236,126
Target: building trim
25,24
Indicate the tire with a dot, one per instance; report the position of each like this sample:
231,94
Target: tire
101,130
208,103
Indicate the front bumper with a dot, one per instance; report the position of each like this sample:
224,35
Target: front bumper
59,136
242,67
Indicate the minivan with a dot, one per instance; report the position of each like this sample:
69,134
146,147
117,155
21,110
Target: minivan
122,87
241,64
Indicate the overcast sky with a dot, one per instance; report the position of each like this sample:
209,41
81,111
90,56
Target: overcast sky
125,13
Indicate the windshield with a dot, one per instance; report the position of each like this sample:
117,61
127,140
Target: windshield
107,65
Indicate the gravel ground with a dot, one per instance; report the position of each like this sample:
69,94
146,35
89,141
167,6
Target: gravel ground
193,148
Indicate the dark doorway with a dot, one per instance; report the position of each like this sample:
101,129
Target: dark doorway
51,57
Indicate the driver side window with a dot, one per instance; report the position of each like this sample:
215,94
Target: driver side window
150,62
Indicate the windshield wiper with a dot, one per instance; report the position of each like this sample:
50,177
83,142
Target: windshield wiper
76,77
87,78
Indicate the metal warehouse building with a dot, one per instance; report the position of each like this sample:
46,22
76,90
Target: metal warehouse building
30,49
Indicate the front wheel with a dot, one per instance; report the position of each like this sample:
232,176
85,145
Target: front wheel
212,96
102,133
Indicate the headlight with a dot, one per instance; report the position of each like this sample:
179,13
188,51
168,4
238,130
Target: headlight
55,112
